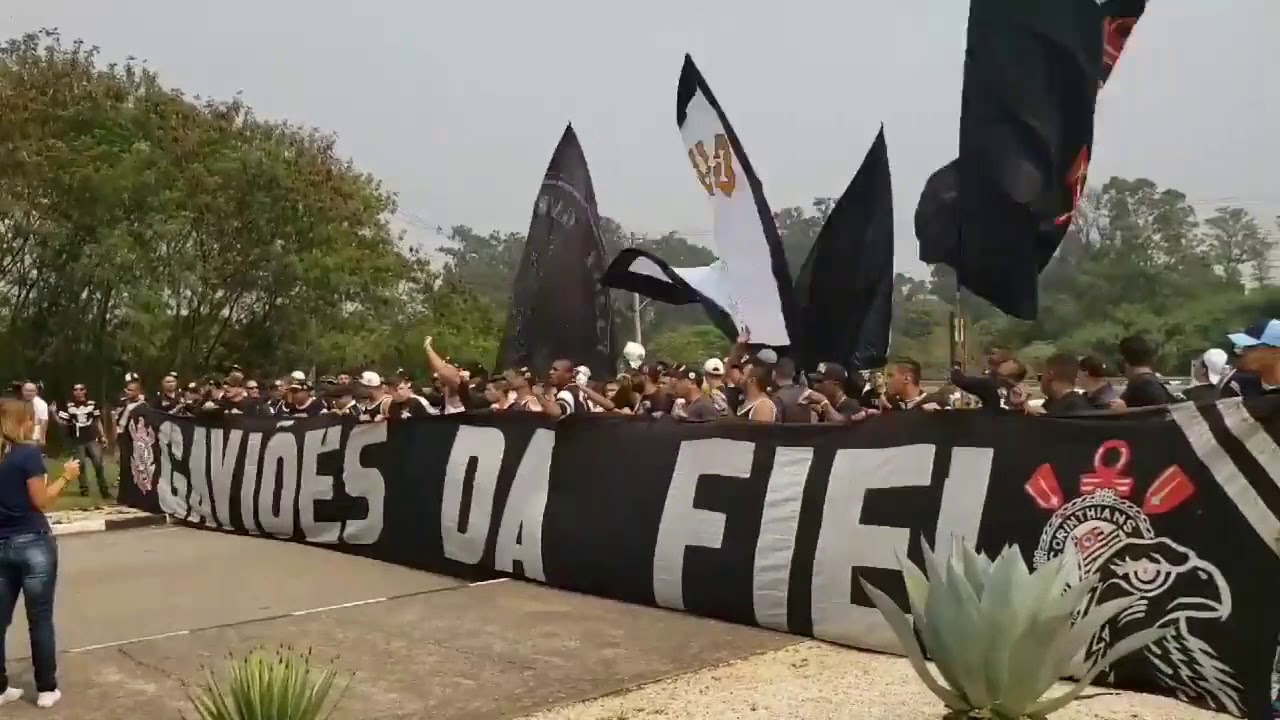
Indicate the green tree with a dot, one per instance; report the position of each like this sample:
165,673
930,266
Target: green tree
1236,240
691,344
143,230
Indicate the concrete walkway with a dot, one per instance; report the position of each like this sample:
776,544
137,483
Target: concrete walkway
140,612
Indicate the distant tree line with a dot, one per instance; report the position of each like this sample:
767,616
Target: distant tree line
144,230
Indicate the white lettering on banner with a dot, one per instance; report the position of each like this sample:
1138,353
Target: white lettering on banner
771,577
224,450
520,534
198,505
964,495
279,475
314,487
486,446
682,525
844,543
249,482
172,485
364,482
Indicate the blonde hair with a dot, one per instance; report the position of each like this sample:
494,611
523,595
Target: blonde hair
17,423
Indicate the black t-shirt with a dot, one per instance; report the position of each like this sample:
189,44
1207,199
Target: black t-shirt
368,413
243,406
81,419
166,403
848,407
1202,394
656,404
732,396
313,408
1146,390
1073,403
413,407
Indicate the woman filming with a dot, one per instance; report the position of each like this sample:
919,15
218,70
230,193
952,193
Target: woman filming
28,554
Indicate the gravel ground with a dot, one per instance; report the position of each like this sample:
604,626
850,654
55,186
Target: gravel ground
816,681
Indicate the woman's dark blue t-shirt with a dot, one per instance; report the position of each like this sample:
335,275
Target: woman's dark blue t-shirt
17,515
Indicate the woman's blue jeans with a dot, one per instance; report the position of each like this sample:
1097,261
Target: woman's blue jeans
29,565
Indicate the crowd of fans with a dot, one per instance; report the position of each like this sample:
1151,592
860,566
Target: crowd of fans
755,386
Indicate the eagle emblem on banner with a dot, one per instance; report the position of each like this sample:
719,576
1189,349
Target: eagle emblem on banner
1110,535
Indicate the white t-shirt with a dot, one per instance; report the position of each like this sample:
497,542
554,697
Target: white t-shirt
42,416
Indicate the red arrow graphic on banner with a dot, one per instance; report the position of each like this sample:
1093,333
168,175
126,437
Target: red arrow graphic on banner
1169,491
1044,489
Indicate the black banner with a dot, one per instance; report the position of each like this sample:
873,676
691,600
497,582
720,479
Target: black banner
558,307
769,525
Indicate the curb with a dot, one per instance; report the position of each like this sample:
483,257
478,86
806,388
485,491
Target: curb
125,523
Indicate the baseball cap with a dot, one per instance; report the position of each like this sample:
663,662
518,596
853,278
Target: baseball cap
1265,334
370,379
1215,364
298,376
829,372
685,372
714,366
767,356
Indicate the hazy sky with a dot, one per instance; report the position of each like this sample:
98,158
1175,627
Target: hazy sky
458,105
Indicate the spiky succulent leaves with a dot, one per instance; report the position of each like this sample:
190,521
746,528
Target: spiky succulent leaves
917,588
1034,626
262,688
976,567
902,630
1000,608
1058,659
1134,642
964,626
936,630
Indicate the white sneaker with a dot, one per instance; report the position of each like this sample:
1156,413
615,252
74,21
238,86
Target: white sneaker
48,699
12,694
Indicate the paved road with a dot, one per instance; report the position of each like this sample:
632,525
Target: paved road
140,612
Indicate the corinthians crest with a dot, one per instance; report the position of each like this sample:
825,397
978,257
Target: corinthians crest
1109,534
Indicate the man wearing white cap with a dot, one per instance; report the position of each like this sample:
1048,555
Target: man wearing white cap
1211,374
372,407
713,385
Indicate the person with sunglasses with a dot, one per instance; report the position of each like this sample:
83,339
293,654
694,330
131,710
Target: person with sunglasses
82,418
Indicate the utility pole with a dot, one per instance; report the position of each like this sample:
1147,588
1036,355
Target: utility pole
635,298
636,303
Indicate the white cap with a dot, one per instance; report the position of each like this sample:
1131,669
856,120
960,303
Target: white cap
767,356
369,378
298,376
1215,364
714,366
583,370
634,354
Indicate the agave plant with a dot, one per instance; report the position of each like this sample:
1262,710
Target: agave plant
1000,635
286,686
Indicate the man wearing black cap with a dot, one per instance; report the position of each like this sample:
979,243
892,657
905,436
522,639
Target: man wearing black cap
830,401
301,402
655,401
234,400
691,403
168,399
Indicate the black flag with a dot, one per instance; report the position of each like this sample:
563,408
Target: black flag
558,307
845,288
1032,73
